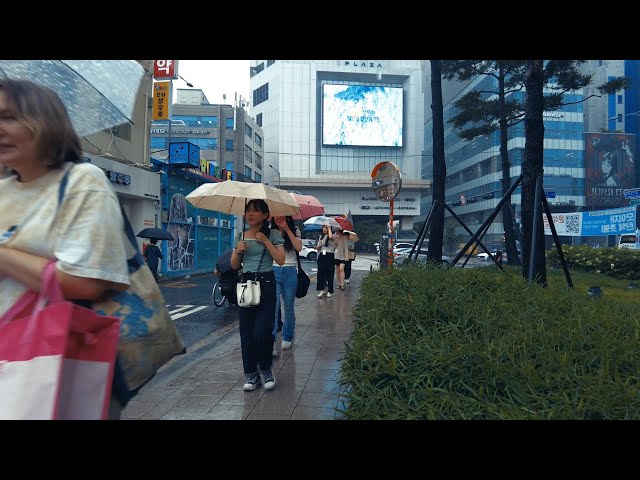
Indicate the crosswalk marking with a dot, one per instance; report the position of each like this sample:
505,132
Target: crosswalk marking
175,315
184,314
182,307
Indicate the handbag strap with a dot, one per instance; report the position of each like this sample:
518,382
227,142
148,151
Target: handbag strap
49,292
137,260
298,258
264,250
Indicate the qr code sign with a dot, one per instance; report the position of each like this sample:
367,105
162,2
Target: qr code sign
572,223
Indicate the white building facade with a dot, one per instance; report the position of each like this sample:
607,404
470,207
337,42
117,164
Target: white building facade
313,114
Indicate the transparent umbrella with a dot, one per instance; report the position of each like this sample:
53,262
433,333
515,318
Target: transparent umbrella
98,94
317,222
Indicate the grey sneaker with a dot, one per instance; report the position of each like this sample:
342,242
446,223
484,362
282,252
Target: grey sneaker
269,380
252,383
286,344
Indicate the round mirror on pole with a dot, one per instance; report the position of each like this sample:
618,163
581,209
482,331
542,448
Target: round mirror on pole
386,181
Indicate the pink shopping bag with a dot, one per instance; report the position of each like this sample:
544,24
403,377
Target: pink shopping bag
56,358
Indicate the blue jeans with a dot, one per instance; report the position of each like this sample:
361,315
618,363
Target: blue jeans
286,285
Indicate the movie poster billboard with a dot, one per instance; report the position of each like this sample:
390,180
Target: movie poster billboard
609,168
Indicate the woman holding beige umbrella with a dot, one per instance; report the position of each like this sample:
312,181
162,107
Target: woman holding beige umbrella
255,251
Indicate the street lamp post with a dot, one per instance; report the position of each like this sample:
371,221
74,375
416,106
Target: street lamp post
277,173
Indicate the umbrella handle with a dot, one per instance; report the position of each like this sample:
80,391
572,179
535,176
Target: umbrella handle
244,218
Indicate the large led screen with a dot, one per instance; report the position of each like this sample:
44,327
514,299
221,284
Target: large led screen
361,115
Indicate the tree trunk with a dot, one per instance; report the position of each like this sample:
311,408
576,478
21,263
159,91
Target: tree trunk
532,167
436,230
507,217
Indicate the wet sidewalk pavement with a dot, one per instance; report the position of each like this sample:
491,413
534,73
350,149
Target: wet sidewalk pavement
206,383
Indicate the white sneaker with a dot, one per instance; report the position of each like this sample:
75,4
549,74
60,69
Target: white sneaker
329,295
321,294
347,280
286,345
252,383
269,381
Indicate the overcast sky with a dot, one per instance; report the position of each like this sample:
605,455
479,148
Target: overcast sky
215,77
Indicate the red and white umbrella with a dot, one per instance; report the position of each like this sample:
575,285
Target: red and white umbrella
309,205
344,223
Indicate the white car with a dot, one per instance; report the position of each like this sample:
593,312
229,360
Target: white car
402,246
403,254
309,242
308,253
484,255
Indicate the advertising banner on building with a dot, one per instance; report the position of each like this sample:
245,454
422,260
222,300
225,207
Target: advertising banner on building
615,221
609,168
161,100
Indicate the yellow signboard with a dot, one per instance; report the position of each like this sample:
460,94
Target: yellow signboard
161,100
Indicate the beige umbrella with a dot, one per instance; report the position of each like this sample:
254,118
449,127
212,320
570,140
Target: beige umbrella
231,197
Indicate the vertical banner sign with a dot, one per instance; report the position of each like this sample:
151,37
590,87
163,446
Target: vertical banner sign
609,168
165,69
161,100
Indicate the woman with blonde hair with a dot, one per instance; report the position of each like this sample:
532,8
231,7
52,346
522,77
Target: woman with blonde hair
82,232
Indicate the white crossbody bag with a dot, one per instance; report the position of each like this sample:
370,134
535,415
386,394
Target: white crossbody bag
249,292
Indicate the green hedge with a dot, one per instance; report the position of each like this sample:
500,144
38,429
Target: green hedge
434,343
615,262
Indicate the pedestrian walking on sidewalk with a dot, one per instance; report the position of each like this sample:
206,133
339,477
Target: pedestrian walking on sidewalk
81,232
351,246
153,255
287,278
326,262
341,254
256,252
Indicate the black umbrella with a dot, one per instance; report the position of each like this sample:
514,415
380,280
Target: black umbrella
155,233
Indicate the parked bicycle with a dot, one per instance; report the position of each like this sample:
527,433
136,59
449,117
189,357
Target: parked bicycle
225,288
217,295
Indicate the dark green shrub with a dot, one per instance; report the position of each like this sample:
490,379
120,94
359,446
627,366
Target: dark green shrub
615,262
432,343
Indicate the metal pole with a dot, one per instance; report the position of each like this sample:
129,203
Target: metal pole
170,114
391,235
534,235
479,240
556,239
489,220
421,236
